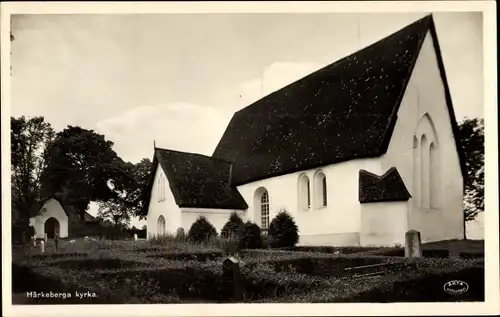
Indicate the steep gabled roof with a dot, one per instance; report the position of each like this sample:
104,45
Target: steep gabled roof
197,180
343,111
388,187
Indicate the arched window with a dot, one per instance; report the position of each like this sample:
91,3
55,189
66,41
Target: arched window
416,171
324,191
304,193
161,188
264,210
424,154
434,176
427,177
320,190
161,226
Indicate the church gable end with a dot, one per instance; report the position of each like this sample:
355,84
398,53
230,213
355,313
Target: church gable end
388,187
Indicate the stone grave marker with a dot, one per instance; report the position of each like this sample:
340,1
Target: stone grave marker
45,237
231,275
413,243
42,246
135,236
56,240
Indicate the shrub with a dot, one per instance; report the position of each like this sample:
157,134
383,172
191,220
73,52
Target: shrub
180,235
201,230
233,228
283,231
251,238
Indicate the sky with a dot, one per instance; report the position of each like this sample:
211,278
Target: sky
176,79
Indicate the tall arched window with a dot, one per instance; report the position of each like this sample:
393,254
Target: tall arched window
304,193
264,210
324,191
424,154
161,226
416,172
434,176
320,190
427,173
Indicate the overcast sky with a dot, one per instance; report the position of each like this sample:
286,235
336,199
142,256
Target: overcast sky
178,78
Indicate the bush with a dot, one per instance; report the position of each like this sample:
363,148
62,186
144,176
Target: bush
233,228
201,230
180,235
251,238
283,231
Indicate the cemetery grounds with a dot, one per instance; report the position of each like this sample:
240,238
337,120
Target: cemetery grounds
92,271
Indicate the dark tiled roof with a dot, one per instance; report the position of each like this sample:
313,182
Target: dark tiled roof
197,180
343,111
388,187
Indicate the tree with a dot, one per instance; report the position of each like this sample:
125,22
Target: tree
283,231
471,134
131,194
83,164
29,139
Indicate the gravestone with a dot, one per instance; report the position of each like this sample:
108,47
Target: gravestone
33,241
45,237
56,240
413,243
42,246
135,236
231,276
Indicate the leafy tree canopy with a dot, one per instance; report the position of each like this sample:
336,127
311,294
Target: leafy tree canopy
471,133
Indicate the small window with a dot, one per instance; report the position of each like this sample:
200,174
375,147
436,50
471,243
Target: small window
304,192
320,190
325,200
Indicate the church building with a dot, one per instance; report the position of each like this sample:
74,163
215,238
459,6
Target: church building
358,152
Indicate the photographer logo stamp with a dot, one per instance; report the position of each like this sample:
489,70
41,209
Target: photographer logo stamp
456,287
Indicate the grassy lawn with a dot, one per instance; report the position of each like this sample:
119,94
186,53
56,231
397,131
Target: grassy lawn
169,271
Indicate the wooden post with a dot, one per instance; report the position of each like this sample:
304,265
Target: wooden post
42,246
232,276
413,244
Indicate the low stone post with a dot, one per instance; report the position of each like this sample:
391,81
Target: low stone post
33,241
42,246
413,244
56,241
45,237
232,277
135,236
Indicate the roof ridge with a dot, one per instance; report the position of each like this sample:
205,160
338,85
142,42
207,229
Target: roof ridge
193,154
342,59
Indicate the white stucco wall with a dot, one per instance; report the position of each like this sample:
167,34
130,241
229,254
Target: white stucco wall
425,95
166,208
53,209
217,217
337,224
384,223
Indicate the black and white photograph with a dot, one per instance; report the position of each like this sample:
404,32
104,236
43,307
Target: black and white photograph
247,157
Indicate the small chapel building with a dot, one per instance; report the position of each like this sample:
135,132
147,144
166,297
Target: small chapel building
358,152
55,216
